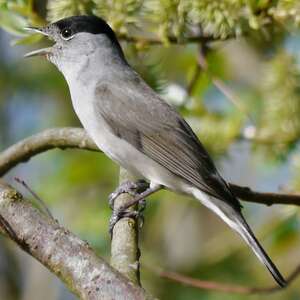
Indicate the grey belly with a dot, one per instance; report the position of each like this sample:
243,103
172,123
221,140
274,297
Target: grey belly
136,162
124,153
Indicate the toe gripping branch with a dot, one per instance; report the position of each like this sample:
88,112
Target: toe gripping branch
135,189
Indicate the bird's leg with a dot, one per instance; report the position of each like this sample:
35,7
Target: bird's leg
134,189
122,211
129,187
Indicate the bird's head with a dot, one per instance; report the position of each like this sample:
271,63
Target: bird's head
75,38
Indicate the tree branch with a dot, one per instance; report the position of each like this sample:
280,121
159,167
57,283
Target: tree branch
219,84
60,138
125,253
64,254
222,287
77,138
248,195
171,39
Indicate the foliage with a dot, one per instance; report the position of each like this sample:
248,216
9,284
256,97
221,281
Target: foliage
279,118
58,9
252,48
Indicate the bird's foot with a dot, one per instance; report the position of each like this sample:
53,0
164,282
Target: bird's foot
129,187
135,189
120,213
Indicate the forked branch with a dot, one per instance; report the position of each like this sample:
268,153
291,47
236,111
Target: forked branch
63,253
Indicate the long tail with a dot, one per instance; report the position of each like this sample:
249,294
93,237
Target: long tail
247,234
237,222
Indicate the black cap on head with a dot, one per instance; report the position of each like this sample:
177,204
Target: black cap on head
91,24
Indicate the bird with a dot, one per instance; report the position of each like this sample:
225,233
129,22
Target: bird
134,126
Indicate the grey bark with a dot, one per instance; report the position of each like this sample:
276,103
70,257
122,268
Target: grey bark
63,253
60,138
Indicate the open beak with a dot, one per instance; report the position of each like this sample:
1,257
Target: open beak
39,52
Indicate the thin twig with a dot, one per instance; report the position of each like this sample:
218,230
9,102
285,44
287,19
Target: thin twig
172,39
246,194
36,196
220,84
191,86
193,81
221,287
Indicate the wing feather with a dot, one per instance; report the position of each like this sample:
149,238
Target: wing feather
157,130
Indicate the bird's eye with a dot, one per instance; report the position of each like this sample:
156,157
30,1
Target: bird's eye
66,33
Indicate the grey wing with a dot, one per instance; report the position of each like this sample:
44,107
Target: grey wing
154,128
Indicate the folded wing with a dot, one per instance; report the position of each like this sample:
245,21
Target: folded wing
154,128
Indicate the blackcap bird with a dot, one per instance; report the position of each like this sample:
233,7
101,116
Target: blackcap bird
134,126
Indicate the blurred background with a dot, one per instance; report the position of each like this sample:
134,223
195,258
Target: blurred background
241,94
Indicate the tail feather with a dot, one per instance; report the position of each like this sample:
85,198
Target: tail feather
237,222
247,234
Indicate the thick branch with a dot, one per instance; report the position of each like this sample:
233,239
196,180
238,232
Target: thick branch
71,259
77,138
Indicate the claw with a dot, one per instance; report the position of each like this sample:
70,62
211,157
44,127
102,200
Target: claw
142,205
119,214
132,188
115,217
126,187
